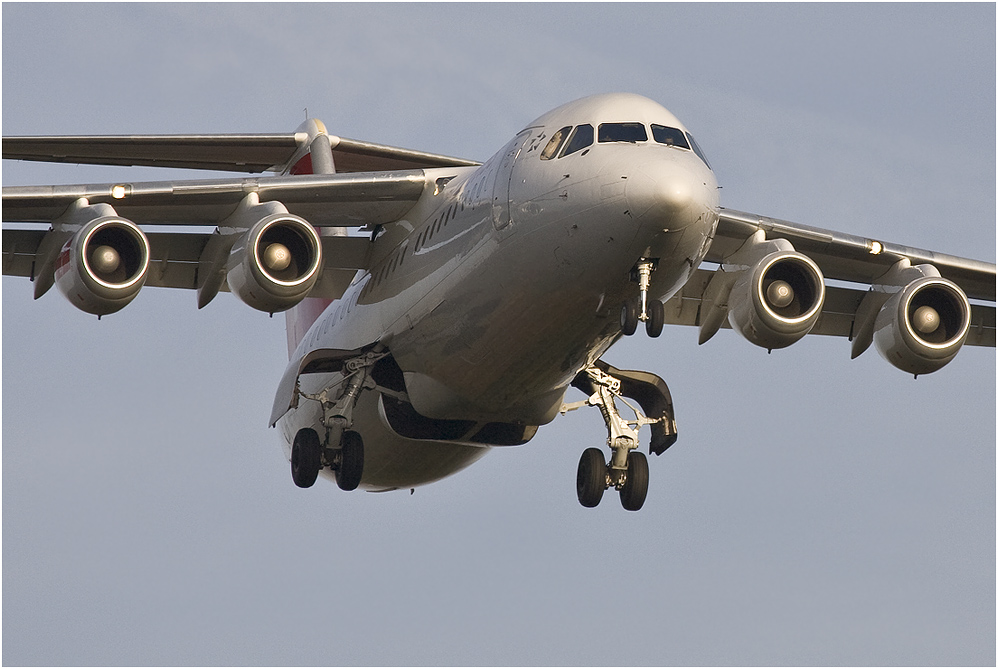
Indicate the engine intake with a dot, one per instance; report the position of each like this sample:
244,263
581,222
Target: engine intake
778,300
922,327
276,263
103,266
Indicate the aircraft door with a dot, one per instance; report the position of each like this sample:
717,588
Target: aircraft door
501,217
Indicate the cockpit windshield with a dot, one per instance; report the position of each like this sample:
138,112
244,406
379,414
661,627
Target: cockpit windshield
557,139
622,132
671,136
568,140
581,138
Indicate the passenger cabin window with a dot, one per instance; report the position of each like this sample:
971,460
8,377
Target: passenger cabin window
670,136
697,150
557,139
622,132
581,138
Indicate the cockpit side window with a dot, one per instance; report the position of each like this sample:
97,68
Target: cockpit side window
697,150
671,136
557,139
622,132
581,138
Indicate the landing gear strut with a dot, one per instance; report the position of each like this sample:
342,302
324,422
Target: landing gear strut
651,312
340,449
627,470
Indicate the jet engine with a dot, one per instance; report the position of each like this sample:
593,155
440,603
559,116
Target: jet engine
102,267
922,327
275,264
778,300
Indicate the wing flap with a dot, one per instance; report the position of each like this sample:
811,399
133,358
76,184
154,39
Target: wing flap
19,248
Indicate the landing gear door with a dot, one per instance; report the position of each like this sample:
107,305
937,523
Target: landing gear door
501,218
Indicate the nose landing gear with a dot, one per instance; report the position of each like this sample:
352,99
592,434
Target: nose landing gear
651,312
627,470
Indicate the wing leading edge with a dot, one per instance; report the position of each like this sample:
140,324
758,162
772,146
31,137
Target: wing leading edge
324,199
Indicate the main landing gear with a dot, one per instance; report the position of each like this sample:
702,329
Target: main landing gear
340,448
651,312
627,470
308,457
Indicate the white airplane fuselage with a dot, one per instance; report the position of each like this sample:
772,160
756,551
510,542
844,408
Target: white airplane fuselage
505,280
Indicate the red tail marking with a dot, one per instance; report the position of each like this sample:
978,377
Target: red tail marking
303,166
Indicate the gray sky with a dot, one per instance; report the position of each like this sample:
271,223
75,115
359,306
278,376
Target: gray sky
815,510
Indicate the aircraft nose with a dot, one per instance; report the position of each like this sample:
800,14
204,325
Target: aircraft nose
668,195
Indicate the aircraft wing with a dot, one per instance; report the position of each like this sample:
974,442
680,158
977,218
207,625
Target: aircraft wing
361,184
859,261
848,257
229,152
177,258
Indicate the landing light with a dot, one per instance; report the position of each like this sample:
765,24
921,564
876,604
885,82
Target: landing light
120,191
876,248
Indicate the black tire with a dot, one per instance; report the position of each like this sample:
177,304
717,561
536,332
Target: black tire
656,318
591,479
351,468
632,495
306,458
629,316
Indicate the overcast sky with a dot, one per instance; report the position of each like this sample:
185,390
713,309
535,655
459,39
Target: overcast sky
815,510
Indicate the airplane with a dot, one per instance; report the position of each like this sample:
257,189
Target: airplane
438,307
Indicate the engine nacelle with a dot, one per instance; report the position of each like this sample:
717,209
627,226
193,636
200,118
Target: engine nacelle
103,266
275,264
922,327
778,300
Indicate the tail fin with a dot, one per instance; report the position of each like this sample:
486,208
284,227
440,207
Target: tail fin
315,154
315,157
